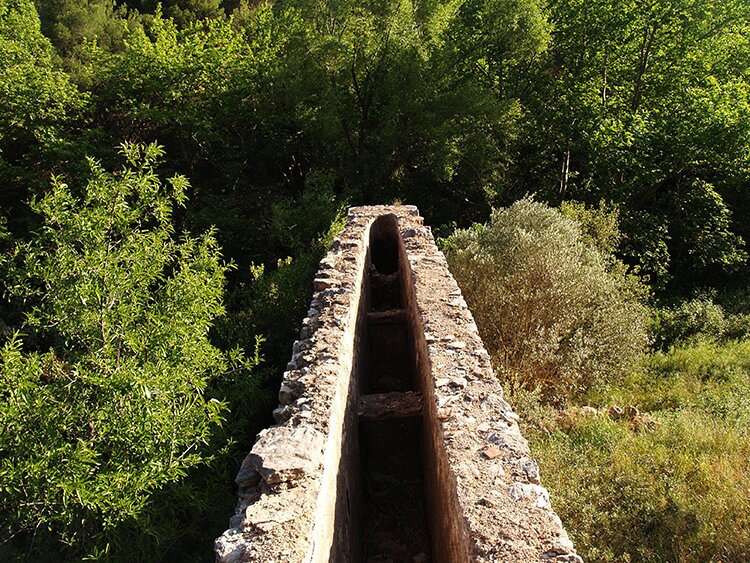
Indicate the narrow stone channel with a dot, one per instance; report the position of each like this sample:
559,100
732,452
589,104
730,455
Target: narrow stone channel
389,423
394,520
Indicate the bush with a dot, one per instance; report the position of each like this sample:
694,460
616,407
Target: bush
273,295
736,305
110,402
552,310
705,318
687,322
599,225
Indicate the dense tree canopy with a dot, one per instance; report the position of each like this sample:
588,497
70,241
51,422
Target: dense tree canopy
281,114
38,103
641,104
646,104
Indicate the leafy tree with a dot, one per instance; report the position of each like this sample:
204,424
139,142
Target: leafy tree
401,93
116,404
206,92
186,12
645,103
37,103
390,99
600,227
69,23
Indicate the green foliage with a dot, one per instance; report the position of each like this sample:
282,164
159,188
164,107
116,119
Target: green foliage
707,376
6,242
675,493
118,407
600,226
186,12
69,24
701,319
553,310
703,230
298,221
266,303
648,247
207,93
736,306
502,37
37,102
284,111
645,104
690,320
381,97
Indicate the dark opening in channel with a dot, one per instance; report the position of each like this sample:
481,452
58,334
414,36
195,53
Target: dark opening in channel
384,245
394,519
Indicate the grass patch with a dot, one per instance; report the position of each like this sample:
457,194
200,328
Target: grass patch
679,492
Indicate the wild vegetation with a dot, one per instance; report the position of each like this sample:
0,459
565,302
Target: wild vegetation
646,457
675,489
556,312
170,174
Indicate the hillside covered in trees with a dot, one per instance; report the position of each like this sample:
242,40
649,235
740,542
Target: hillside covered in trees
171,173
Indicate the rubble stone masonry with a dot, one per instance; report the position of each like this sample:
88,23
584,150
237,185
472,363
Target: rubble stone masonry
393,441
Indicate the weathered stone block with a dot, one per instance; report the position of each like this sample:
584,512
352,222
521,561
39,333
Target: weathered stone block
286,455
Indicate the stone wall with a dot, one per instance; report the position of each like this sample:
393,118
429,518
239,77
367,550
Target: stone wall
306,489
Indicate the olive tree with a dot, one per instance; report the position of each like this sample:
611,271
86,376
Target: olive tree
554,311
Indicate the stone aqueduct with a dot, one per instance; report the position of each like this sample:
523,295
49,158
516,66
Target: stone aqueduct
393,442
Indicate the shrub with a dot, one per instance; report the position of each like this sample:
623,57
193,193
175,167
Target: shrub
114,403
736,305
698,318
599,225
553,310
705,318
264,304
